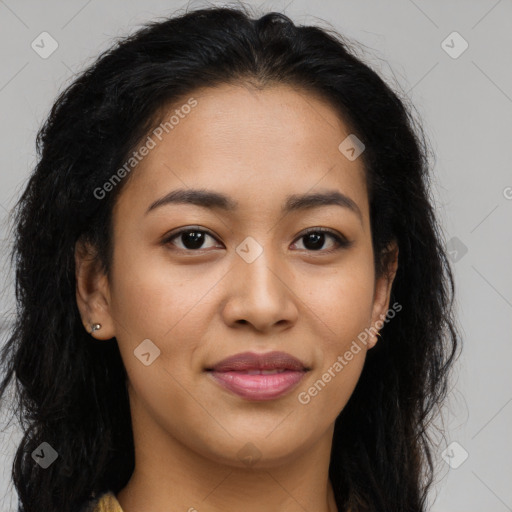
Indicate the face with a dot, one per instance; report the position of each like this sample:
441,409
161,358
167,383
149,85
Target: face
259,272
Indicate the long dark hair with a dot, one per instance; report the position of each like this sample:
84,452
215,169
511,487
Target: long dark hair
71,392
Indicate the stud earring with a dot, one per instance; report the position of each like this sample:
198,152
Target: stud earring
95,327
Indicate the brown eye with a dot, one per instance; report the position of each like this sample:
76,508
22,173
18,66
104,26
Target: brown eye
315,238
191,239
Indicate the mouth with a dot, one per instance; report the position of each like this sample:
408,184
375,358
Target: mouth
259,377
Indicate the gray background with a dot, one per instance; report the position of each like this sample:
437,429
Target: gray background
466,107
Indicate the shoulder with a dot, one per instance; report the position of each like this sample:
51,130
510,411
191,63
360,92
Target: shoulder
106,502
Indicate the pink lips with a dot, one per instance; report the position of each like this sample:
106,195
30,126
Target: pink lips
259,376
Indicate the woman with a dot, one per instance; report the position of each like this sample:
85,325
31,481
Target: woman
232,287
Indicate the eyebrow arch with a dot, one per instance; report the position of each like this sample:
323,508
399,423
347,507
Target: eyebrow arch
295,202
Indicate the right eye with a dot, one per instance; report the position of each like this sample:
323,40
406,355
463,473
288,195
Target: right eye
191,238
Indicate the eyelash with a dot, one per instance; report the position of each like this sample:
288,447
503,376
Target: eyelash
341,241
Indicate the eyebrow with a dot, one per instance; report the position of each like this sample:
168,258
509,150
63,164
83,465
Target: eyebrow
295,202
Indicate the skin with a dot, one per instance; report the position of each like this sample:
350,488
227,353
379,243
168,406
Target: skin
199,306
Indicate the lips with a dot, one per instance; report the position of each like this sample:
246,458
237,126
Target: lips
259,376
252,361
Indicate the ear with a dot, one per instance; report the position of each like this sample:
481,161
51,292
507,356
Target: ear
92,292
382,291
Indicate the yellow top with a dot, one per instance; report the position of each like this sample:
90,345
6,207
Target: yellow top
108,503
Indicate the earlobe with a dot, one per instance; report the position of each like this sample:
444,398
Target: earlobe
92,292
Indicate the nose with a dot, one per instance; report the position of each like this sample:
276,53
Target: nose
260,294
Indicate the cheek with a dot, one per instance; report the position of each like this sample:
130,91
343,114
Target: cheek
150,296
165,304
343,299
343,311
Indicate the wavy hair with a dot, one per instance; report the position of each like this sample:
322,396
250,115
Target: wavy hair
71,391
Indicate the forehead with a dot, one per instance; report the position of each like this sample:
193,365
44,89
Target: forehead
247,142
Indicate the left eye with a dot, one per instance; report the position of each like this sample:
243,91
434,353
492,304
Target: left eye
193,239
316,237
